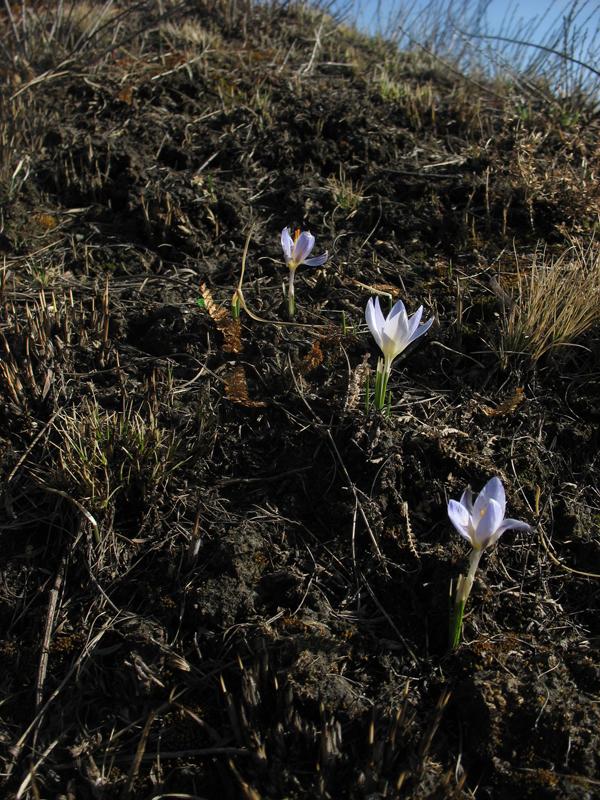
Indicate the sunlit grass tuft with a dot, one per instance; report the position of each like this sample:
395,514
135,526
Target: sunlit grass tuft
557,301
102,456
346,193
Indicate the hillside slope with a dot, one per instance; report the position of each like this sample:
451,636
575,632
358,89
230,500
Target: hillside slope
221,577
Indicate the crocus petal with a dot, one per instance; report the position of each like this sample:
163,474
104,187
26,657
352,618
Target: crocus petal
376,315
510,525
487,523
372,317
459,517
396,327
413,322
514,525
398,308
302,247
379,318
393,333
317,261
286,243
397,320
467,499
391,347
422,329
493,490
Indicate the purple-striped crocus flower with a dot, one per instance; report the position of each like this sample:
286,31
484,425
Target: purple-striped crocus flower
296,251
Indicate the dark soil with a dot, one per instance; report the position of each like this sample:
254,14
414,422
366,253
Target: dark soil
220,577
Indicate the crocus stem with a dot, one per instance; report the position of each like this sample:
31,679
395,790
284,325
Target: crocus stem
381,381
291,294
377,388
235,305
457,622
463,590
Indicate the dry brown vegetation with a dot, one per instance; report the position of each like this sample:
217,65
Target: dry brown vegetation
557,301
219,577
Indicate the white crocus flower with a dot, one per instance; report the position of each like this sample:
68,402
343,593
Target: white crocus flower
296,251
481,523
393,334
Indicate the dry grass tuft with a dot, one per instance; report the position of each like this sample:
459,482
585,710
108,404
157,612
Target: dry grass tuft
347,194
189,32
102,455
557,301
418,101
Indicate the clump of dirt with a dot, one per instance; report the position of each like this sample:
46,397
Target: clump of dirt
221,576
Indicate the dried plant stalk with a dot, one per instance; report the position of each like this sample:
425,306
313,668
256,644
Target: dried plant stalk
357,381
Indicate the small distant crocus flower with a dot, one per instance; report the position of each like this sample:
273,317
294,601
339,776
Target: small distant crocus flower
393,334
481,523
296,251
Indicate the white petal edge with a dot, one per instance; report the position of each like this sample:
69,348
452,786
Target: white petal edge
397,308
286,243
371,318
509,524
413,322
422,329
379,318
317,261
459,517
466,499
513,525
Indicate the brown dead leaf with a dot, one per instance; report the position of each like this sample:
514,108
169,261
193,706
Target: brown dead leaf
236,388
378,288
388,288
508,406
232,342
313,358
229,327
46,221
217,313
126,95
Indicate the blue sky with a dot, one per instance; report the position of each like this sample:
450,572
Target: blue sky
536,18
531,21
